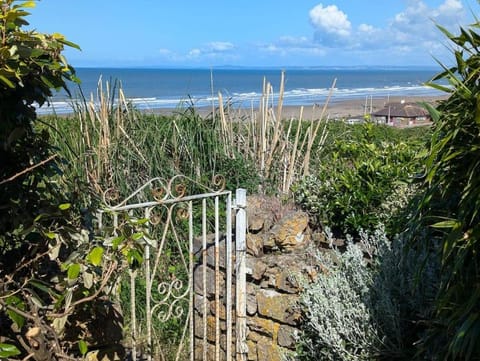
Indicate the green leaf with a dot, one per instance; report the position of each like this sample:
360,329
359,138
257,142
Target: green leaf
137,236
82,346
64,206
95,256
50,235
7,82
43,286
7,350
28,4
117,240
447,224
16,302
73,271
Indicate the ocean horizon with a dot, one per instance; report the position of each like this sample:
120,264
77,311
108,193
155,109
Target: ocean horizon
170,88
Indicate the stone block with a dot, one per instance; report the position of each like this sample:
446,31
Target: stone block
264,326
269,351
255,244
286,282
257,268
251,299
210,281
199,328
287,336
252,350
289,232
278,306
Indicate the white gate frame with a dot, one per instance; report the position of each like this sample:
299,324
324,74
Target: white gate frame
164,197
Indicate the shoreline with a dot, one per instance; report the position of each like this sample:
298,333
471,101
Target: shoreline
336,109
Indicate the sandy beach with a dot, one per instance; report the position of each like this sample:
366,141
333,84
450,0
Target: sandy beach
336,109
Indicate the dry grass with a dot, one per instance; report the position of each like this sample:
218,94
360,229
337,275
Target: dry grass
281,149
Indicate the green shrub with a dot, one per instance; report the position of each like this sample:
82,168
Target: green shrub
363,180
366,301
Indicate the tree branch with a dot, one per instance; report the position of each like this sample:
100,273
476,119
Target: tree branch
28,169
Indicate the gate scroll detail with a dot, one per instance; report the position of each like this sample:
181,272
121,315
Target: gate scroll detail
188,292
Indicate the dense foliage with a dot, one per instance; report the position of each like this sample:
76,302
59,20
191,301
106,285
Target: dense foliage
449,206
366,302
363,178
51,270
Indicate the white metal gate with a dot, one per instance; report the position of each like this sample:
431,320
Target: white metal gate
188,296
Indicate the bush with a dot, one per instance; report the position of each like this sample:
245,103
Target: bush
449,205
52,271
364,180
365,300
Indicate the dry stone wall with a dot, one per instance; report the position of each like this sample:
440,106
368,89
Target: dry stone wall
277,254
277,243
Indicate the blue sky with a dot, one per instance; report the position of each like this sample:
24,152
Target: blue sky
208,33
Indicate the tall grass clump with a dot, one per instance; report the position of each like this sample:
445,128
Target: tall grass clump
281,149
115,149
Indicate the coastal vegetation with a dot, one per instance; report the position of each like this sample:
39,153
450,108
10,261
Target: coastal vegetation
406,201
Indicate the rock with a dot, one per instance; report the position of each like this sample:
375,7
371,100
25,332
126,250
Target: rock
210,283
263,326
287,336
198,249
268,351
260,213
278,306
210,351
289,232
222,314
285,281
255,244
252,350
199,328
251,300
257,268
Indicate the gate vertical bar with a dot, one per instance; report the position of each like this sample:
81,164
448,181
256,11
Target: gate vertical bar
240,271
228,268
190,281
148,307
133,311
217,282
148,292
204,268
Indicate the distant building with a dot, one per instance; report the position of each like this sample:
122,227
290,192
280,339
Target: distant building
401,113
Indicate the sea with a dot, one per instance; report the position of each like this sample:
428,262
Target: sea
152,88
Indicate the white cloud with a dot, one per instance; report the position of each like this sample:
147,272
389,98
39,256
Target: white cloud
450,6
195,53
330,20
220,46
411,31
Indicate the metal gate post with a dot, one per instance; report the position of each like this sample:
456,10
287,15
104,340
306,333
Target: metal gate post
240,271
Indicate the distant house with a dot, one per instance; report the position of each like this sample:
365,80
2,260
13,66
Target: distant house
401,113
